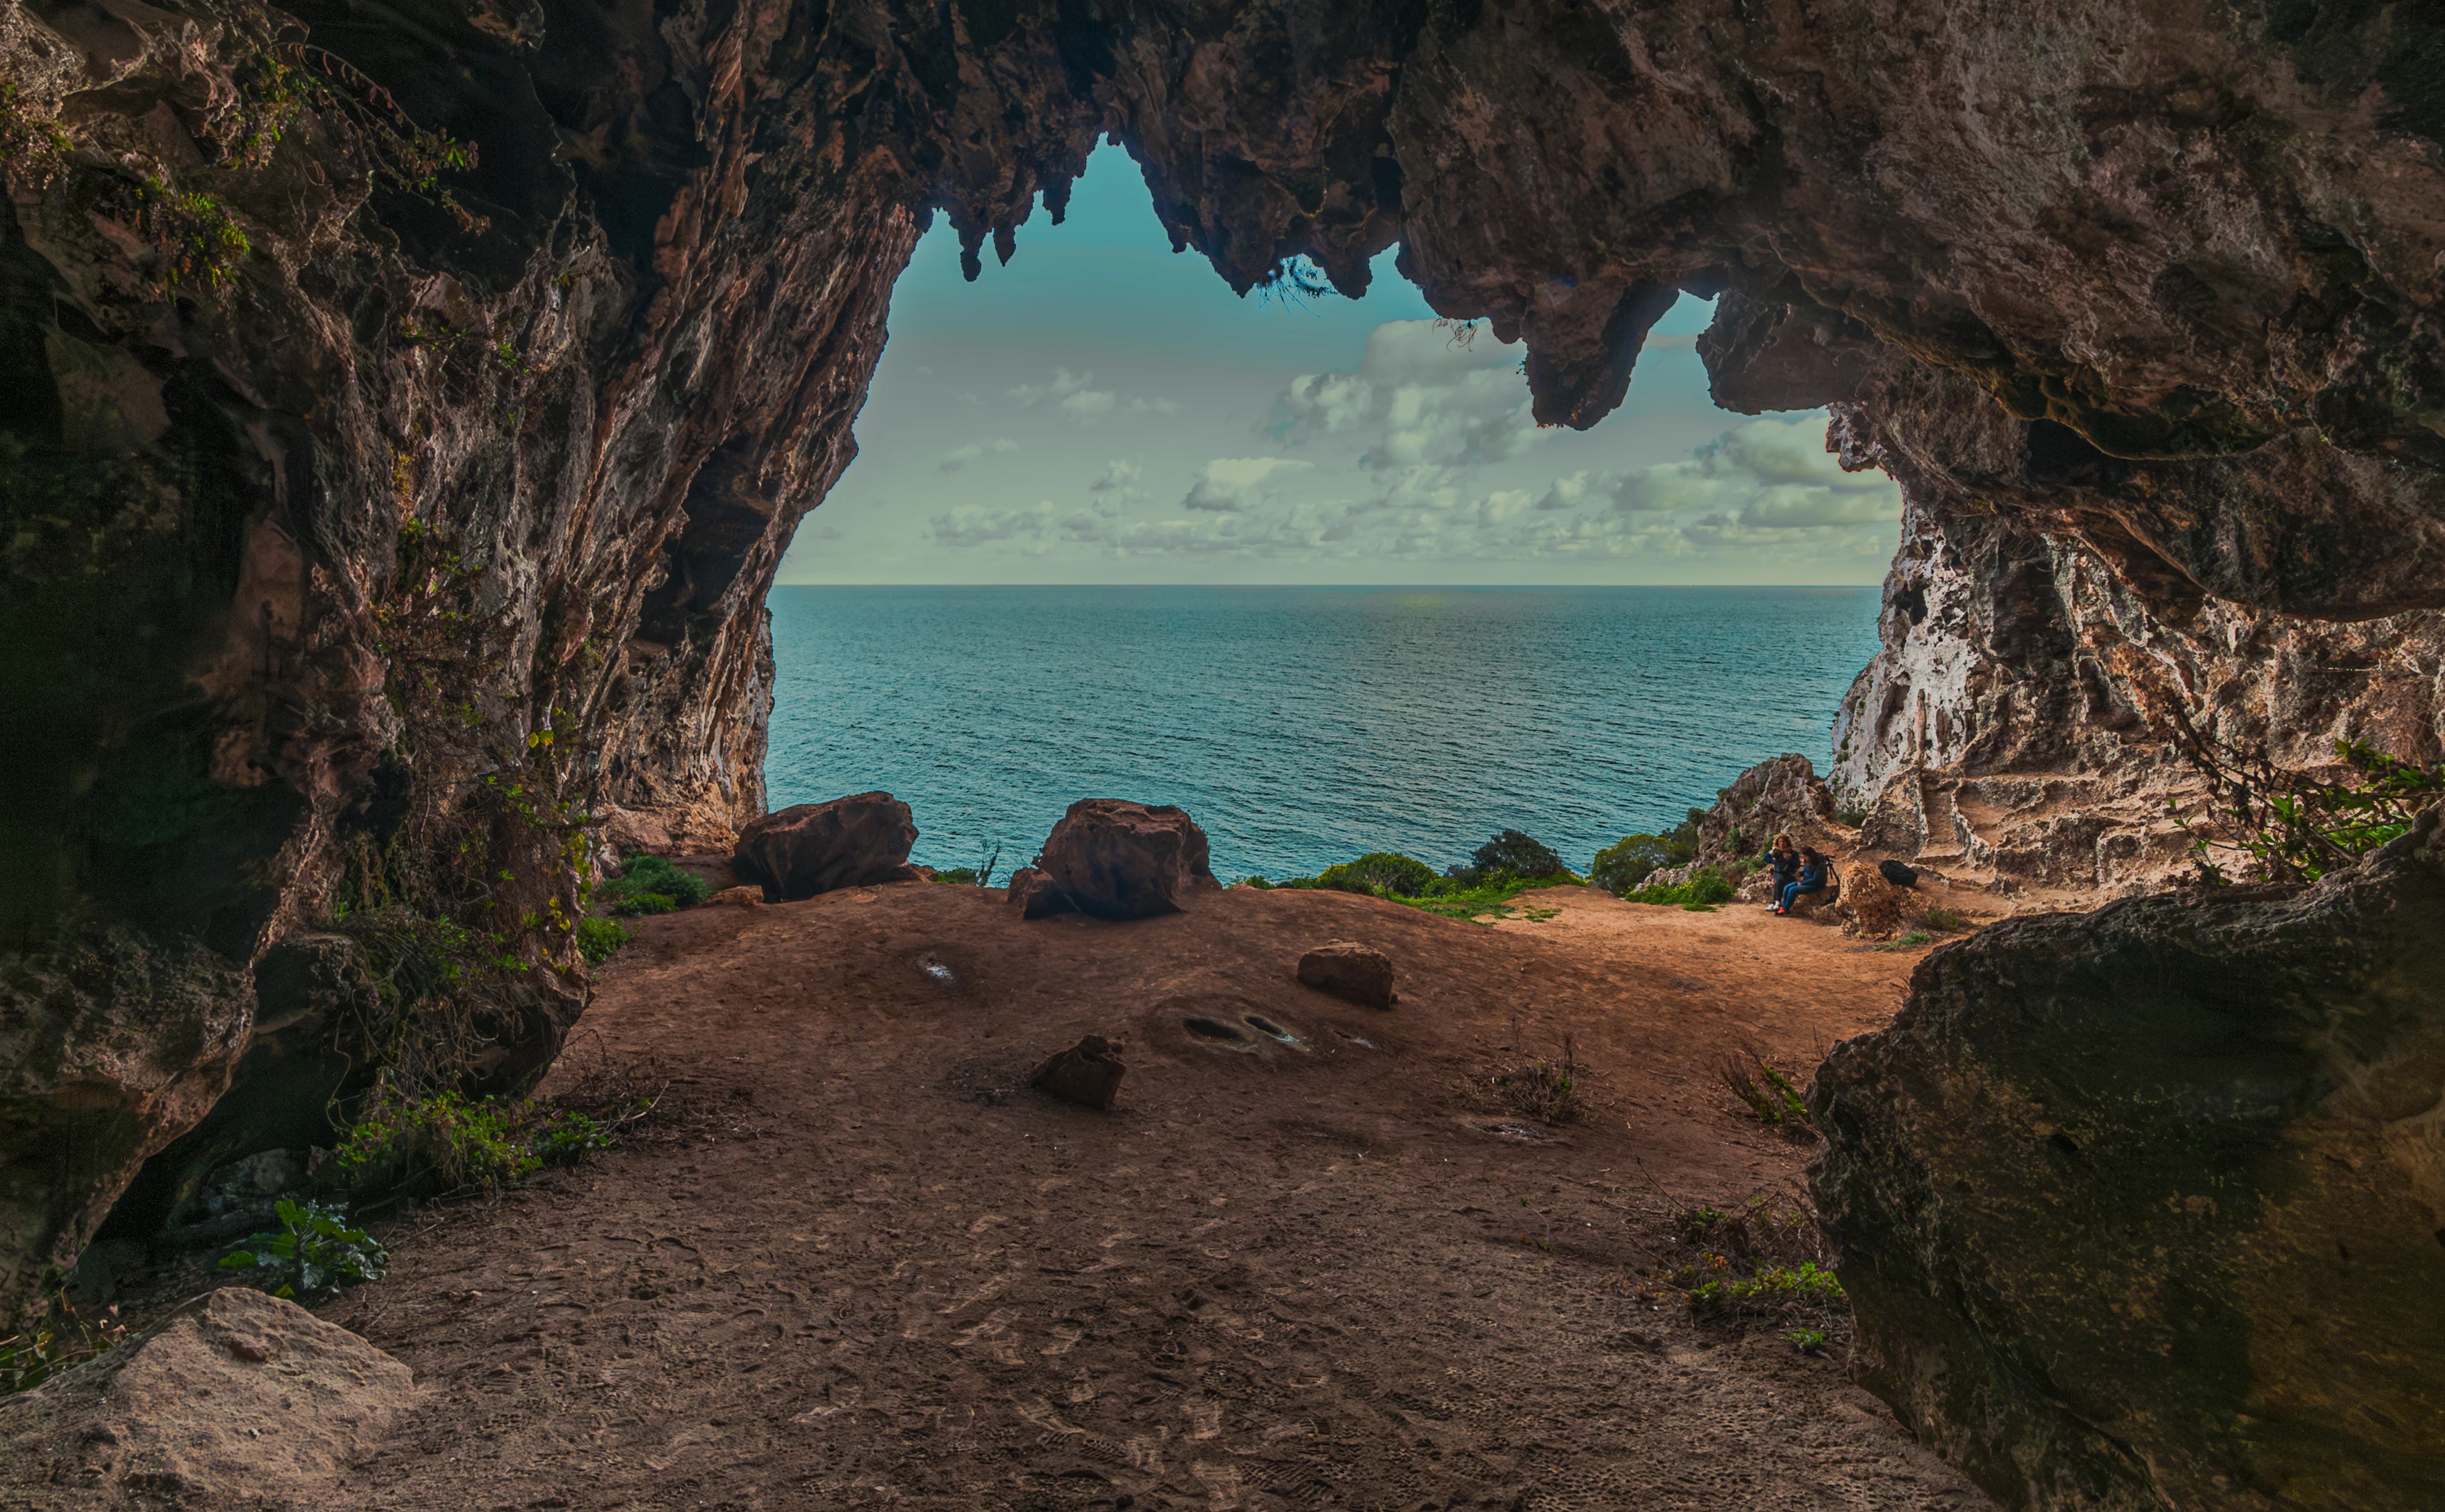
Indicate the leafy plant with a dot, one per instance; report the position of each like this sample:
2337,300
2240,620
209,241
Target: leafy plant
651,883
1774,1293
315,1252
1382,872
443,1140
1909,942
2290,826
597,939
1510,854
1764,1091
62,1338
1626,862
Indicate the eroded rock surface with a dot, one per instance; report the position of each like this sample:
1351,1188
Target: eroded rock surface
1359,972
816,848
236,1400
1113,859
2141,1207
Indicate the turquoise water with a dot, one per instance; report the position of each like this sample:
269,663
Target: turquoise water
1303,726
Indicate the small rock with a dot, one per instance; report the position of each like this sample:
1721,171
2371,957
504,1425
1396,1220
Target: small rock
1359,972
819,848
1899,873
736,898
1113,859
1088,1073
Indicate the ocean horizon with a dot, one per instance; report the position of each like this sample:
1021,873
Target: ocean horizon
1301,726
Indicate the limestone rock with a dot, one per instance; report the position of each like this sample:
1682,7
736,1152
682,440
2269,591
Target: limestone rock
1359,972
1089,1072
819,847
236,1399
1114,859
1822,905
739,897
2129,1222
111,1045
1781,796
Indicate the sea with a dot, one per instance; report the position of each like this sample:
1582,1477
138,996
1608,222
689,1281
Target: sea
1301,726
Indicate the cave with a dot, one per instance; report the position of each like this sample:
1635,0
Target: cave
408,409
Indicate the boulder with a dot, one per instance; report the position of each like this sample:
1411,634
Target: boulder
1088,1073
1113,859
1359,972
1821,906
112,1044
819,847
236,1399
1036,896
2141,1207
1873,906
1781,796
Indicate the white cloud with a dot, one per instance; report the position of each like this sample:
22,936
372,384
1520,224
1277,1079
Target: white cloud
1421,395
971,526
1770,474
1076,399
1230,483
959,457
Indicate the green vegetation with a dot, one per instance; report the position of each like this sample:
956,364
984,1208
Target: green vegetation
597,939
2290,827
1909,942
649,884
315,1252
1511,854
61,1339
1774,1293
447,1143
1706,886
1622,865
201,244
1758,1266
1765,1092
1382,872
1946,921
1503,868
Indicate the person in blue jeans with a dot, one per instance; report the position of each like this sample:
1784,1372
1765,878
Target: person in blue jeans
1811,879
1784,863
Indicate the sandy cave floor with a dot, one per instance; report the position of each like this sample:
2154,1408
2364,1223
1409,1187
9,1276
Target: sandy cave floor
860,1265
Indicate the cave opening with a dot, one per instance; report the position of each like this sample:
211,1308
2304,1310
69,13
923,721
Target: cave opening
1109,520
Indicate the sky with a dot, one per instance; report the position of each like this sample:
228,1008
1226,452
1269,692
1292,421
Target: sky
1102,410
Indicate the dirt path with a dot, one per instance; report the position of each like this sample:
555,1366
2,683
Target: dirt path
861,1266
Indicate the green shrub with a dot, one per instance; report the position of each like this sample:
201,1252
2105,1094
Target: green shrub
1775,1294
442,1140
1909,942
1380,871
959,876
315,1252
1626,862
2288,826
1511,854
598,938
1766,1092
651,884
1258,882
1705,888
1944,921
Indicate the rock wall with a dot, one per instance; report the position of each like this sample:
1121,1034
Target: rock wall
2015,725
2146,1208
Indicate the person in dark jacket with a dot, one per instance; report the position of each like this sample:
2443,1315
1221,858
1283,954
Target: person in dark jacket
1784,863
1811,879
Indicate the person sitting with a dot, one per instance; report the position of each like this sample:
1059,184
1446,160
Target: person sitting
1811,879
1784,863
